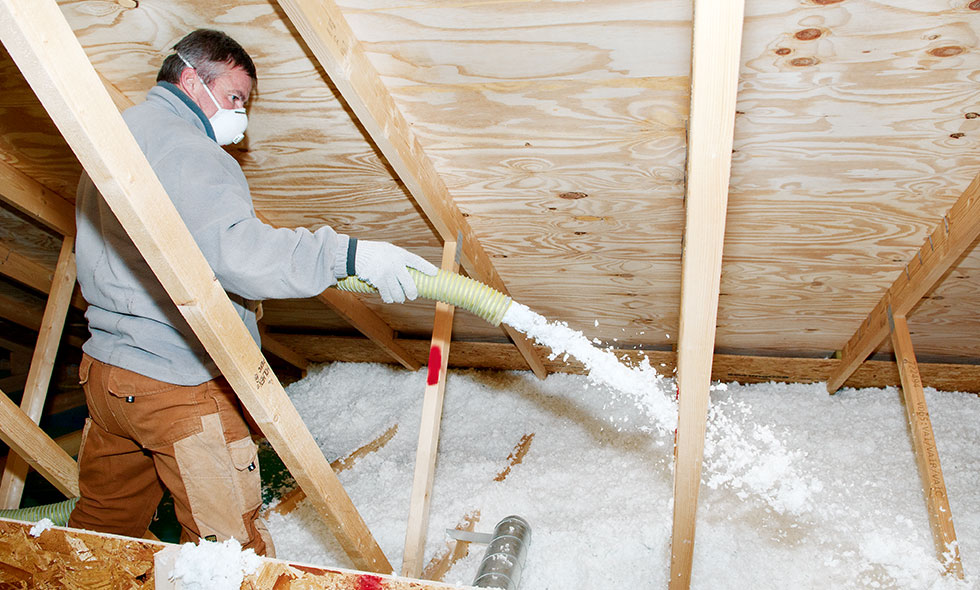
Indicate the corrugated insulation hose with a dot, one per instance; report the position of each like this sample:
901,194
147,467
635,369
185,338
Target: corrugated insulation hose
448,287
57,513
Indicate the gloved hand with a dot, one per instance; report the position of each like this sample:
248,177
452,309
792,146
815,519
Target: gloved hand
385,267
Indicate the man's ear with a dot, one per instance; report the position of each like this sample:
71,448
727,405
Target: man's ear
188,81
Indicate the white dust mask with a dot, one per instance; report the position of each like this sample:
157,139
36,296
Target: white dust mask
228,124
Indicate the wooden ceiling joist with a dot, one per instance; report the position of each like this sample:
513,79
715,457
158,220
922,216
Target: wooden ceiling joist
43,454
42,367
45,49
36,201
714,84
326,32
953,236
31,273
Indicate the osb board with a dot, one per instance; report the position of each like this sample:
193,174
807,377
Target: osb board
725,367
61,558
57,559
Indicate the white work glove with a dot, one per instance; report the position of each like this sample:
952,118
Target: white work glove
385,267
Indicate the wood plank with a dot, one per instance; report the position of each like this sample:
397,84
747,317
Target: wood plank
270,344
439,565
926,453
425,455
331,40
41,43
289,502
21,312
24,270
714,82
42,366
957,232
724,367
36,201
349,307
27,439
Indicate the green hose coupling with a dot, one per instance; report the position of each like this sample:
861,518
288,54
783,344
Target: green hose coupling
448,287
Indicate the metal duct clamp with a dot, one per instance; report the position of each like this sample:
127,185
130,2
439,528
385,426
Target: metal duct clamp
506,552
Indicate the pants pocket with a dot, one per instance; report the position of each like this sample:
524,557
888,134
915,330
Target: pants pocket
221,481
245,458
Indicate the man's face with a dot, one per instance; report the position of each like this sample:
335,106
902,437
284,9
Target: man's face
231,89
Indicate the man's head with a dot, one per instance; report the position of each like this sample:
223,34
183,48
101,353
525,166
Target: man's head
218,61
212,52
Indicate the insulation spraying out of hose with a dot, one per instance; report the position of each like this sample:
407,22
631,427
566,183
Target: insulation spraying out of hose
57,513
448,287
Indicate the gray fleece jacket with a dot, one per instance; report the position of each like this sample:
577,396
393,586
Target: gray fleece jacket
132,321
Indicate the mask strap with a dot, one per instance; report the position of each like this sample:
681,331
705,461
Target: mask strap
206,89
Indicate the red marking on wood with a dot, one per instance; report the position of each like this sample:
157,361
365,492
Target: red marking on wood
365,582
435,365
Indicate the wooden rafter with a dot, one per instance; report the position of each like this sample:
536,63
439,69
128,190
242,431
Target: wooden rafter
425,456
714,84
957,231
43,454
33,274
43,46
36,200
42,366
926,453
326,32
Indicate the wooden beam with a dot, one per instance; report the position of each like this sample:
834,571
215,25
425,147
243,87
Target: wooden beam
26,438
926,453
43,46
714,84
36,276
326,32
28,315
42,365
270,344
36,201
347,306
951,238
724,367
425,456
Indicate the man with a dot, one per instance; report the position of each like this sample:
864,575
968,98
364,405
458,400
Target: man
160,413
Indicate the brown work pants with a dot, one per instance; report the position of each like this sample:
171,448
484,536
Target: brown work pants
143,435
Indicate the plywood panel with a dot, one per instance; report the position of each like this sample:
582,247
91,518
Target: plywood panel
559,129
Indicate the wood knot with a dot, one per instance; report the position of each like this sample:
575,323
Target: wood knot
947,51
957,135
783,51
802,62
972,115
825,2
975,5
572,195
808,34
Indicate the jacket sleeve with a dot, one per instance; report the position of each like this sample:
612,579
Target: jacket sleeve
249,258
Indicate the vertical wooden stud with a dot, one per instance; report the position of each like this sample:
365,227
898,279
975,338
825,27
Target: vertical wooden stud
425,457
926,453
714,83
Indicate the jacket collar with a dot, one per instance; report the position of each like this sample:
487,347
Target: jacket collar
175,92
